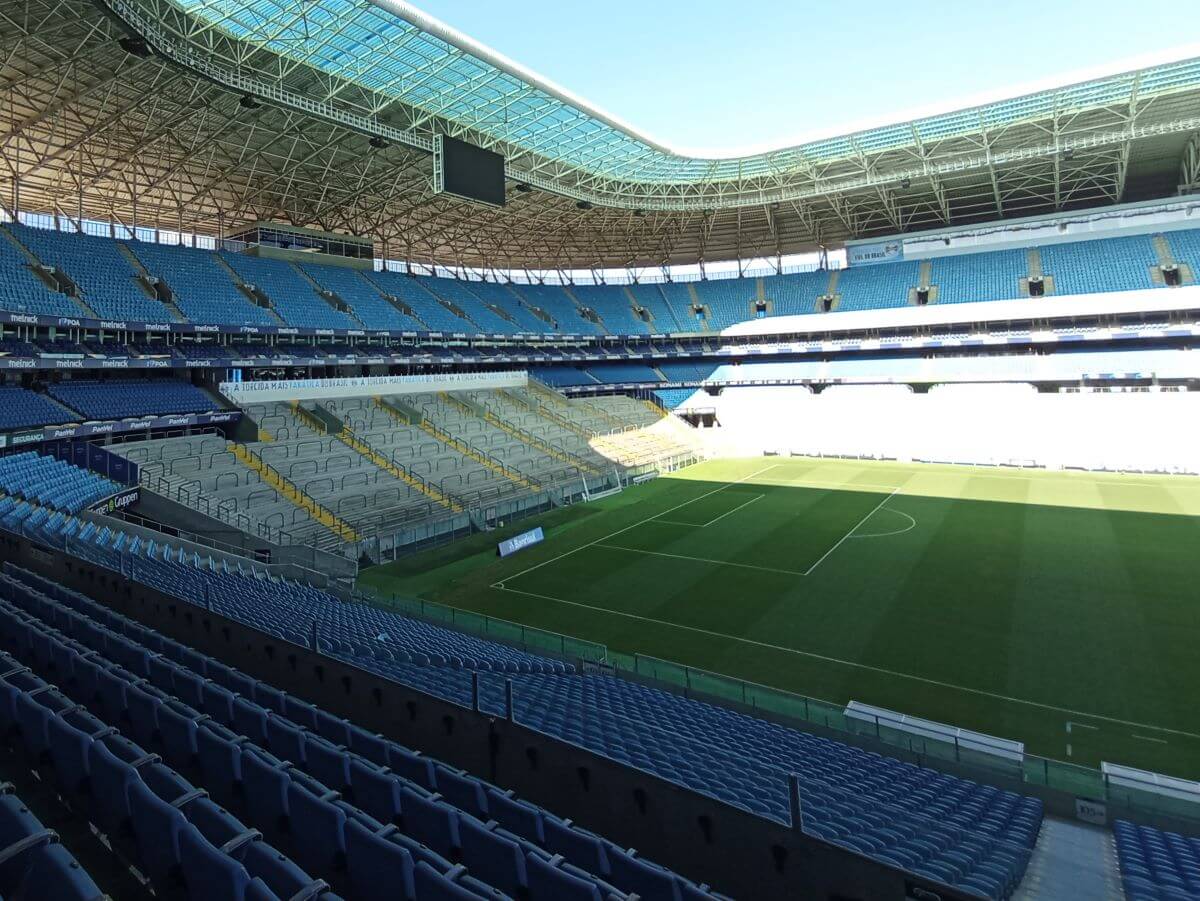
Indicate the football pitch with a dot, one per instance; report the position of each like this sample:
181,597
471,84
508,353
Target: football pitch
1058,608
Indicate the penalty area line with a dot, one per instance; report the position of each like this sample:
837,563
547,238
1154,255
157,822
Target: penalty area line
640,522
500,586
638,550
1157,741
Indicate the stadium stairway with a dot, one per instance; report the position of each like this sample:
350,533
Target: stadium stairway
146,281
633,306
292,492
539,393
433,492
526,438
318,419
581,307
471,453
335,300
655,408
1162,249
260,299
698,304
1071,860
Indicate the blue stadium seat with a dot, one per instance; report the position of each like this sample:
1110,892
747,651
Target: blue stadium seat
22,409
292,295
1102,265
497,860
23,292
200,286
107,281
124,399
378,867
550,882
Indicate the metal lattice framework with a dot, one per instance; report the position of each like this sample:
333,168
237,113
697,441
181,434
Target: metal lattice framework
213,113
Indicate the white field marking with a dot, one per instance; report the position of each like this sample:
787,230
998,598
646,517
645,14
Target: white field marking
874,510
638,550
1157,741
1069,754
1072,724
863,666
757,497
581,547
702,525
912,524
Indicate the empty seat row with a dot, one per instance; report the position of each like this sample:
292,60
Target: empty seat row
21,408
53,483
1157,865
170,830
126,398
283,758
306,295
34,864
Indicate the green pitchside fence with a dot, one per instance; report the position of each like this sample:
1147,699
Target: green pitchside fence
536,641
1073,779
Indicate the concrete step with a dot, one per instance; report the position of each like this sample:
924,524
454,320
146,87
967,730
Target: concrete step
1033,260
1162,247
259,299
1071,860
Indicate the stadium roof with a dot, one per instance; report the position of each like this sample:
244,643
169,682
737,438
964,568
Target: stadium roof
260,109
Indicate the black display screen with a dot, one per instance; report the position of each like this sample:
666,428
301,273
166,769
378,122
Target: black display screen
472,172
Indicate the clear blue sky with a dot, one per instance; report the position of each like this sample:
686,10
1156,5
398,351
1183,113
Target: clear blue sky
716,74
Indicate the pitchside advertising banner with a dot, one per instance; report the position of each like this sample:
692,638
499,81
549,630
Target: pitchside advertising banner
870,254
116,502
510,546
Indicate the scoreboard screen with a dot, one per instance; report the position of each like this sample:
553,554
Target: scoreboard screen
467,171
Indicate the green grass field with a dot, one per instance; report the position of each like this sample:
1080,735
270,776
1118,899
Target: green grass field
1062,609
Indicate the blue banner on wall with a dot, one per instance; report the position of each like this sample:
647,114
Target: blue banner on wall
84,430
510,546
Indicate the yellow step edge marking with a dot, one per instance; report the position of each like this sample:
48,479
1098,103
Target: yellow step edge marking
292,492
355,443
309,418
379,402
537,443
467,451
546,413
604,414
654,408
